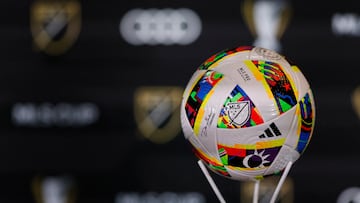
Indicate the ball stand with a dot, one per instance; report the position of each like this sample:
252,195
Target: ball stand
256,185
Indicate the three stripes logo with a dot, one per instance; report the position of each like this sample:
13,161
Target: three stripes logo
272,131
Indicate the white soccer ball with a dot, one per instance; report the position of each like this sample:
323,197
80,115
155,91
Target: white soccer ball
247,112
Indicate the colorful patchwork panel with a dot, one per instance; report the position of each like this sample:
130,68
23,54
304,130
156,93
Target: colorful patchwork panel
199,93
216,57
250,157
279,84
213,163
307,122
238,111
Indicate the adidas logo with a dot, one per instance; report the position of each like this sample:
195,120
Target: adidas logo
271,132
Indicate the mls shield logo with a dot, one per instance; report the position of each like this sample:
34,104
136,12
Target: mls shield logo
55,25
157,112
238,112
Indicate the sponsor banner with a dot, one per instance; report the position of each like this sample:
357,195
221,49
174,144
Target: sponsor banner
91,88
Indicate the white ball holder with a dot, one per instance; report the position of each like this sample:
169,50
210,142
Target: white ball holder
256,185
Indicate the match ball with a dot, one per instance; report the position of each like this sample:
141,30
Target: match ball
247,112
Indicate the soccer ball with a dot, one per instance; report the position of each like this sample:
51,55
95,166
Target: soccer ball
247,113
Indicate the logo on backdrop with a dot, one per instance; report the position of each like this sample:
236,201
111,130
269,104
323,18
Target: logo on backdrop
157,112
160,26
267,21
355,100
157,197
267,189
351,194
29,114
346,24
54,189
55,25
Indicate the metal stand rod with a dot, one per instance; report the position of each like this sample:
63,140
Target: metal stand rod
256,185
256,191
211,182
281,181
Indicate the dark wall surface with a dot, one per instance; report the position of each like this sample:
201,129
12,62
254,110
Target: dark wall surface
73,113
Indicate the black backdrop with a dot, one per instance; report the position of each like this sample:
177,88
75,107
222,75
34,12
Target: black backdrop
108,156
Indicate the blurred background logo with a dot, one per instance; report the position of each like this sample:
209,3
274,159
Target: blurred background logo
355,100
157,112
54,189
347,24
160,26
55,25
164,197
267,21
62,114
